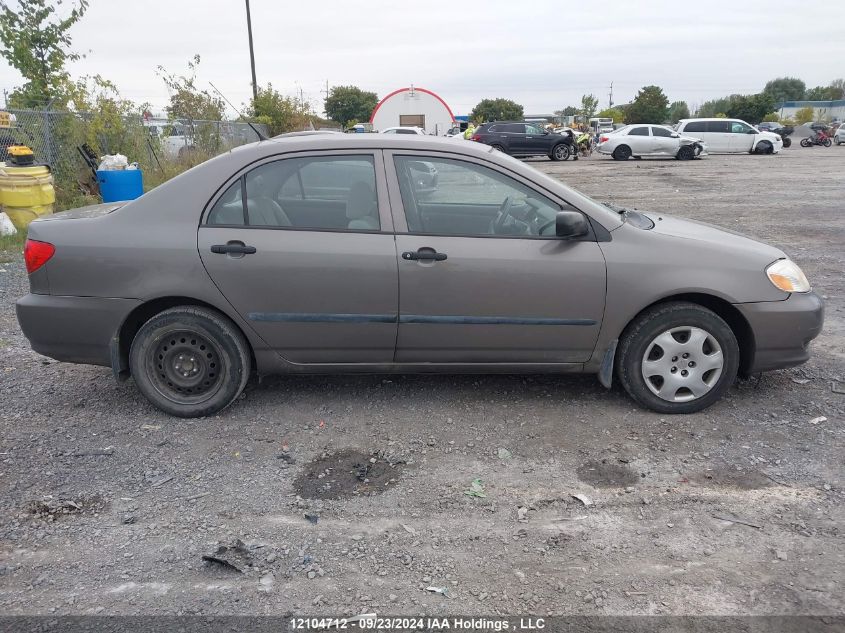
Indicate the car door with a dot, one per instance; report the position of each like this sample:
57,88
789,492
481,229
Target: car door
515,137
662,141
639,140
302,248
536,139
742,136
718,137
477,286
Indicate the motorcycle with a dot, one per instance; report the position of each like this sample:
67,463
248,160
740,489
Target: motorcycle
784,133
819,138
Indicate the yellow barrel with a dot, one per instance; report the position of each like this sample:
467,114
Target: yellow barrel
26,193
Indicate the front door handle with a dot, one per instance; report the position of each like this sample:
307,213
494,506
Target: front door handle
233,248
424,255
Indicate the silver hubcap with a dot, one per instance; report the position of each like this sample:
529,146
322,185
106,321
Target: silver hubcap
682,364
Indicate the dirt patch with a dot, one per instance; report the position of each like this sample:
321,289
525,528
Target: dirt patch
730,477
346,474
50,509
602,474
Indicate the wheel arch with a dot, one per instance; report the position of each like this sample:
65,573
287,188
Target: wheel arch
724,309
143,313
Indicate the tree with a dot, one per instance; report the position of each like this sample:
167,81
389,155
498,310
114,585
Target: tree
678,110
713,107
280,113
612,113
819,93
496,110
349,103
567,111
37,44
187,102
589,105
750,108
785,89
649,106
805,115
837,89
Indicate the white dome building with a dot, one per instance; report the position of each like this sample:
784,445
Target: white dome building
413,107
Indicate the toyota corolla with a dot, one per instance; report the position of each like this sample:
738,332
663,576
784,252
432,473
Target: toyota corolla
324,253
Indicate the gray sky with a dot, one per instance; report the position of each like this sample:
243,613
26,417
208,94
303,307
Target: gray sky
544,55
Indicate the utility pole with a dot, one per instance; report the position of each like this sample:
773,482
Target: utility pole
251,54
610,100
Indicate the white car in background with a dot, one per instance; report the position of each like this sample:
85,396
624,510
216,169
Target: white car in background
404,130
731,136
640,140
839,136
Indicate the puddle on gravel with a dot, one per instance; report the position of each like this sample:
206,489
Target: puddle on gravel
729,476
345,474
602,474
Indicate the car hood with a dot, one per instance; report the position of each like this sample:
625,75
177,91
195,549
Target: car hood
769,136
91,211
689,139
725,240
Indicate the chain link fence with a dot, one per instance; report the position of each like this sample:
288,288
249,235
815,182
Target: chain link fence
156,143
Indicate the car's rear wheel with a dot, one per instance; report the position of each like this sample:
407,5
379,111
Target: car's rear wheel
623,152
677,358
190,361
560,152
498,148
687,152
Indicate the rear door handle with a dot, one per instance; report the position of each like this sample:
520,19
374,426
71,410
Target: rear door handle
233,248
425,255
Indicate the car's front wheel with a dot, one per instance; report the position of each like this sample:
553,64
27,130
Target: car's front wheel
687,152
560,152
677,358
764,147
190,361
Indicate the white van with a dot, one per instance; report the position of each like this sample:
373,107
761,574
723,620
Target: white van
724,136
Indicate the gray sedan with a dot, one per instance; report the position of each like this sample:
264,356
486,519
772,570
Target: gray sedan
325,253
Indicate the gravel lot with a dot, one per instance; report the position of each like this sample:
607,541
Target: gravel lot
109,506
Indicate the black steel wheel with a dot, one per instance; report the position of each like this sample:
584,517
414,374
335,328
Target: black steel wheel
190,361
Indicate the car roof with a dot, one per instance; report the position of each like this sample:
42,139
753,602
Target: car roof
715,118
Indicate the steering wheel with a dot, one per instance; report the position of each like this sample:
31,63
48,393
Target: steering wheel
502,216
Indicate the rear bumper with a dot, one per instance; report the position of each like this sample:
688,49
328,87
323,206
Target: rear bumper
783,330
72,329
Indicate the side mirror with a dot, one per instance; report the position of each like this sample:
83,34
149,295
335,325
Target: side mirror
569,224
675,135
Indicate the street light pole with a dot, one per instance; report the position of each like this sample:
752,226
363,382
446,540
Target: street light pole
251,54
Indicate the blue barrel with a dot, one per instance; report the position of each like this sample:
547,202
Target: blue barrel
117,185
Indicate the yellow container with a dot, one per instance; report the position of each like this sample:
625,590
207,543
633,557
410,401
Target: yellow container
26,193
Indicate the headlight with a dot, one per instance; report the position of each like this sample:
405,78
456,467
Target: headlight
787,276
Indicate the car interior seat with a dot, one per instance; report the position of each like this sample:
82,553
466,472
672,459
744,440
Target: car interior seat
262,208
362,207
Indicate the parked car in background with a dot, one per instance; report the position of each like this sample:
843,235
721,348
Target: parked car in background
518,138
316,253
768,126
404,130
728,136
649,140
839,136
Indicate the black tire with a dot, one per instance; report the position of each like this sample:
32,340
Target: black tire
623,152
805,142
687,152
499,148
190,361
787,142
764,147
827,142
640,337
559,152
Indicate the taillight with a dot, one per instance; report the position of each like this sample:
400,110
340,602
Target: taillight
475,137
603,139
36,254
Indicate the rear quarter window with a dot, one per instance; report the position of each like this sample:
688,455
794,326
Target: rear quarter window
695,126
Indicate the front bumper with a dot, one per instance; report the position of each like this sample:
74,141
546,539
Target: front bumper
72,329
783,330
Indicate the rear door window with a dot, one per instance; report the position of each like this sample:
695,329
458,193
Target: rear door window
515,128
718,126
